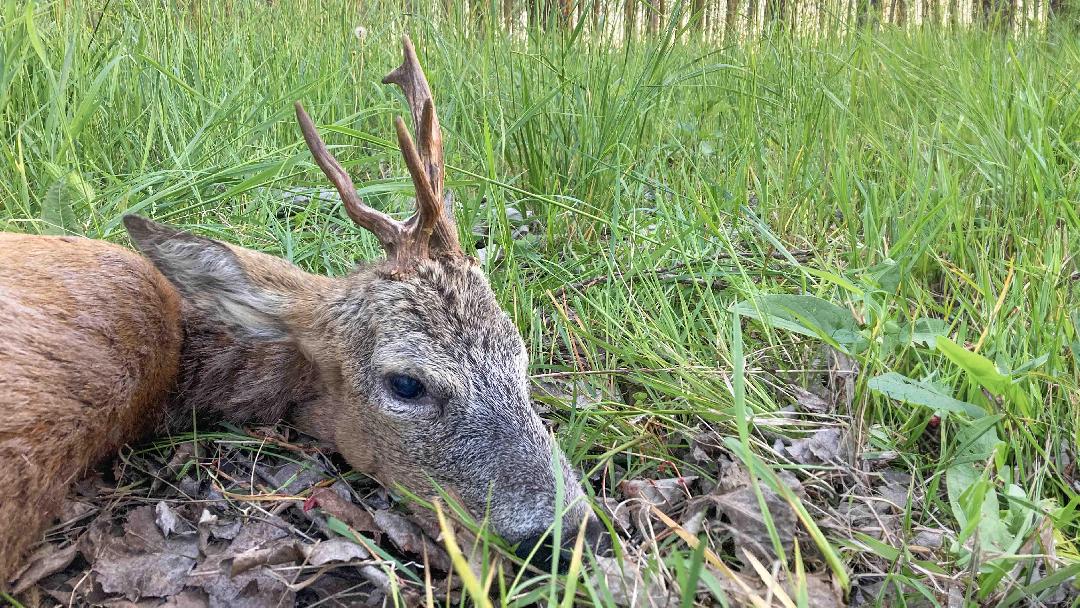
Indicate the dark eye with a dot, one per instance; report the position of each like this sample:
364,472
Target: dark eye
405,387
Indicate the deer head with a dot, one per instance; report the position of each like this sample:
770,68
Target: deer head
408,367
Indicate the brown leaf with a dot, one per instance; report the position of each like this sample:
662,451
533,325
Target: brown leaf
808,401
353,516
255,588
334,550
746,522
259,544
738,586
44,563
618,512
142,562
665,494
822,447
140,575
188,598
627,585
258,533
279,552
73,510
291,478
408,537
166,519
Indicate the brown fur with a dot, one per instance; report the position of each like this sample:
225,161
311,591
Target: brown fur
89,347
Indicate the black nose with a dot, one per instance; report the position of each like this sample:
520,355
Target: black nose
595,538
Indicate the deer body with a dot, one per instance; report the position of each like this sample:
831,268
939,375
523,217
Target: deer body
407,366
90,338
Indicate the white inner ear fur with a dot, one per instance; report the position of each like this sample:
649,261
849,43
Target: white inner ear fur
211,278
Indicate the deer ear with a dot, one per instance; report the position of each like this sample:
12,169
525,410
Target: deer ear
213,278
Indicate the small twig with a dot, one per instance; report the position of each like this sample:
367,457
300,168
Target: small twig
668,273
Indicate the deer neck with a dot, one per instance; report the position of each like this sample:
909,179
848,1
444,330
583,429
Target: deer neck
244,379
225,375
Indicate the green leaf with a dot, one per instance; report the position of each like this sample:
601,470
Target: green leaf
925,331
32,33
972,496
807,315
984,373
57,216
885,275
1035,363
902,388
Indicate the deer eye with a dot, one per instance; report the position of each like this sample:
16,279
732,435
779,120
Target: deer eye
405,387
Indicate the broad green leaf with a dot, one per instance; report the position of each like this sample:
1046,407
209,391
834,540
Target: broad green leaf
902,388
885,275
57,216
984,373
924,330
806,315
972,495
32,33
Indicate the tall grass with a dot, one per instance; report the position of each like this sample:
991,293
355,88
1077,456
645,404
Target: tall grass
900,175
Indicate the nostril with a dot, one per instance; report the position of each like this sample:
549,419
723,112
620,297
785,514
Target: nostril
541,547
596,536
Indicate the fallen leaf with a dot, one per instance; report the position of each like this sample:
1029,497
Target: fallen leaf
808,401
142,562
333,504
188,598
665,494
73,510
259,544
220,529
334,550
408,537
618,512
258,533
291,478
44,563
255,588
142,574
894,487
278,552
623,579
167,520
818,587
822,447
745,521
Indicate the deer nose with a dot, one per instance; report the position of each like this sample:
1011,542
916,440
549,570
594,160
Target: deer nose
543,545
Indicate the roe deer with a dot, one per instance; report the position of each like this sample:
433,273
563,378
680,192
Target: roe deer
408,367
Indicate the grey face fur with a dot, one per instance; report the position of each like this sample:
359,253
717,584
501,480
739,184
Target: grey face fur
474,430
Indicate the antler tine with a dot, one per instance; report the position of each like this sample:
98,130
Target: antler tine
385,228
428,205
410,77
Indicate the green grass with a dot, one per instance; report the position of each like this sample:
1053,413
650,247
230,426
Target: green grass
923,180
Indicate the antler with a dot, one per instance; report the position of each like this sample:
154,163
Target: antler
431,230
410,77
